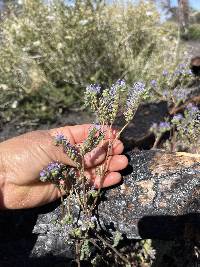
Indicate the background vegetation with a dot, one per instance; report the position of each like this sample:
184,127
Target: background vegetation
50,53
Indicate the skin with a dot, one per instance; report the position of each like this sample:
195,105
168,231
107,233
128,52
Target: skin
23,157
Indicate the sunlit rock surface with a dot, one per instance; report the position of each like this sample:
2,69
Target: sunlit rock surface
159,198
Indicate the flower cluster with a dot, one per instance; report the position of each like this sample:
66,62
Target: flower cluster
71,151
91,96
135,96
54,172
188,126
171,86
160,128
95,136
86,223
193,110
59,138
184,130
177,118
118,87
93,89
180,95
182,69
165,73
154,83
110,102
116,92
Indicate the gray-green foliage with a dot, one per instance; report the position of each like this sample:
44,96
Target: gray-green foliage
188,129
49,53
184,131
85,250
193,32
117,237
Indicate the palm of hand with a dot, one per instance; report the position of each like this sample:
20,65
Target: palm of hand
23,157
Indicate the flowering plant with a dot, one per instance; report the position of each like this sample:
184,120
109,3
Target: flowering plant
187,128
107,104
172,86
183,129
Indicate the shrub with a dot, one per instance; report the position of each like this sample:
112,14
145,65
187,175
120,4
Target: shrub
193,32
49,53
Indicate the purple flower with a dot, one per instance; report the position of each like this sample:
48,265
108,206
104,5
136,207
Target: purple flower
165,73
192,108
43,173
189,72
180,94
154,83
118,85
190,105
97,127
121,82
53,172
93,88
165,93
93,219
178,117
139,86
59,138
70,149
134,95
164,124
53,166
177,72
182,65
113,91
180,70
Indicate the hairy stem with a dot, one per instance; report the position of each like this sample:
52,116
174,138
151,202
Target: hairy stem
113,249
157,140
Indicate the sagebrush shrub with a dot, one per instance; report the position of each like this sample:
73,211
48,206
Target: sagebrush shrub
49,53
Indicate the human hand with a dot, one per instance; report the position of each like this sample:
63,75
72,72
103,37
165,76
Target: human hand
22,158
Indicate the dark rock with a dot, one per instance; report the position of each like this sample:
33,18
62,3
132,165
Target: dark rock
159,198
137,133
195,65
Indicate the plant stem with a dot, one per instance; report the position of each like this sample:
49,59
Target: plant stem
62,202
105,166
83,184
112,248
123,128
78,253
157,140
